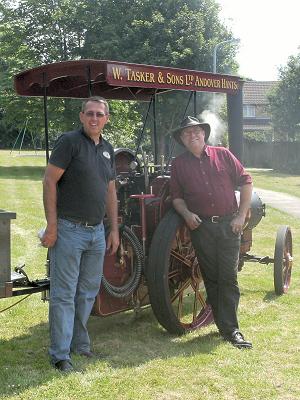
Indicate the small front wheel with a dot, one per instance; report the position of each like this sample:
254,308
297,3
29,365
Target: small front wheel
283,260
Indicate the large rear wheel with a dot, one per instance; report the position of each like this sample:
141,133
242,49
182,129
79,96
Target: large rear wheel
176,289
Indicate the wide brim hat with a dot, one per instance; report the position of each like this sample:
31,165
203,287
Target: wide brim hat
186,123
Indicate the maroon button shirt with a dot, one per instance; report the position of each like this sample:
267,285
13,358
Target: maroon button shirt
207,184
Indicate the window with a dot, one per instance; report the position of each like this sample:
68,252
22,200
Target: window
248,111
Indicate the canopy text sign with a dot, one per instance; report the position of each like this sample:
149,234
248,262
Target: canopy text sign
134,75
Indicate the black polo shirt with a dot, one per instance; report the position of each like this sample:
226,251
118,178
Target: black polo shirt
82,189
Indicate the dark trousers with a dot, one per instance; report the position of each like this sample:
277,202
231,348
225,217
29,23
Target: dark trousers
217,250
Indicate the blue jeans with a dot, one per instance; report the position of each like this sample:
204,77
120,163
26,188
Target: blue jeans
76,267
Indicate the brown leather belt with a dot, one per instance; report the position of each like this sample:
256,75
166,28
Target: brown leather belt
215,219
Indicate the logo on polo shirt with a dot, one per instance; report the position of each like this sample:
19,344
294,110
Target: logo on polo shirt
106,154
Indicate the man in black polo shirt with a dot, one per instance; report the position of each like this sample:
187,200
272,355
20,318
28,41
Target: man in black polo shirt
79,187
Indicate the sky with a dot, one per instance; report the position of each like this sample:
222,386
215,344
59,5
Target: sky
269,32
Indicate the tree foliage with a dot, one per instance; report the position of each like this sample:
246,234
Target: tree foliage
258,136
285,101
171,33
178,33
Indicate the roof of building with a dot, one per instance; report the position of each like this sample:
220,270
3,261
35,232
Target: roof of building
255,92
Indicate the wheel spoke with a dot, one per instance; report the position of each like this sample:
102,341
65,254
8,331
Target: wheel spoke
199,295
185,255
178,242
175,254
195,301
180,306
201,299
174,273
181,289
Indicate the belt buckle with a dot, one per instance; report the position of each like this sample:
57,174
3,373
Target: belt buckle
215,219
86,225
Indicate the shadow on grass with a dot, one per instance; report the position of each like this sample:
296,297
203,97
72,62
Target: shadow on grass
121,340
265,295
126,340
270,296
22,358
33,173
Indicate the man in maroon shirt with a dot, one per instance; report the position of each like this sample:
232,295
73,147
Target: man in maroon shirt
203,184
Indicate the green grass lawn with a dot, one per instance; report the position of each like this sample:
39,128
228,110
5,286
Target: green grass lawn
139,360
273,180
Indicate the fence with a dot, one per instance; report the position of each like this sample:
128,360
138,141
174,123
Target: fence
283,156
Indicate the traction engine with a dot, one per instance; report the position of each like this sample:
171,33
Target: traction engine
156,262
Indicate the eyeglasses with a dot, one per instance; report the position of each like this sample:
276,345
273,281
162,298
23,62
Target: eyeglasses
91,114
190,132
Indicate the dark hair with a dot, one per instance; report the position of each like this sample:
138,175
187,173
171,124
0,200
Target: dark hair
96,99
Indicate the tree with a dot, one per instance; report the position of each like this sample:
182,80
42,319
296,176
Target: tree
285,101
33,32
179,33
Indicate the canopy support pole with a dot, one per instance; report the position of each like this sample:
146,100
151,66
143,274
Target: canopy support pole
89,80
155,130
45,98
143,129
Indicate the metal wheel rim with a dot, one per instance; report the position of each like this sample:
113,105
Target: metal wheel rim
283,260
190,294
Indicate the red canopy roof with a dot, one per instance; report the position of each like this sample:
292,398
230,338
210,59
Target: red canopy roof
117,80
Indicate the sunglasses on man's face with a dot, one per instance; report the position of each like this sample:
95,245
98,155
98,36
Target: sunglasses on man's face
91,114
